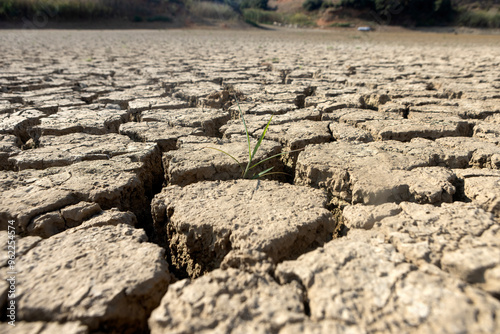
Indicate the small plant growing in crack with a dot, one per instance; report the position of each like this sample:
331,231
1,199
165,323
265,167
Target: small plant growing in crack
245,171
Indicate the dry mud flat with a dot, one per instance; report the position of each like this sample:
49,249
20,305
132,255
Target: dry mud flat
386,222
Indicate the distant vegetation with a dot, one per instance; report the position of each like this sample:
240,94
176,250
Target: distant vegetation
393,11
311,5
479,14
405,12
271,17
479,19
212,10
88,9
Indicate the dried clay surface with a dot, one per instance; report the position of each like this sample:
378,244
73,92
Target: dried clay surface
381,215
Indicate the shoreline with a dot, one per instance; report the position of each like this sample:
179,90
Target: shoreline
187,23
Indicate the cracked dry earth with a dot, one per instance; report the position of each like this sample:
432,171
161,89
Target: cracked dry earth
387,220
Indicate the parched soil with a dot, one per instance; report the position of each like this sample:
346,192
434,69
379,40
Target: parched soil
383,216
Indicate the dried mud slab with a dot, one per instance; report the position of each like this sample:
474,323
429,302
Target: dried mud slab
55,151
81,215
224,301
7,106
192,93
356,284
23,246
407,129
459,238
348,133
195,162
123,97
296,136
54,222
138,105
479,108
258,122
464,108
357,117
488,131
380,172
115,183
362,280
390,125
210,120
107,278
9,147
19,123
51,103
273,108
278,219
39,327
481,154
394,107
482,187
72,120
163,134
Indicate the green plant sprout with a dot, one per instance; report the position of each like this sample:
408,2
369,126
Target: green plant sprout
252,153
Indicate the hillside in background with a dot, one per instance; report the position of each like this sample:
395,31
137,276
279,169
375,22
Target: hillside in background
408,13
324,13
474,4
482,14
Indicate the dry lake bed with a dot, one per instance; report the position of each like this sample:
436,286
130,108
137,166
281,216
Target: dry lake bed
117,215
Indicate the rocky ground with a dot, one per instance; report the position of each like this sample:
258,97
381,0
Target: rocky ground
387,219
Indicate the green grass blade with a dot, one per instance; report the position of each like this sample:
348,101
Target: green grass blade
246,129
262,173
274,156
262,137
258,144
277,173
266,174
239,163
